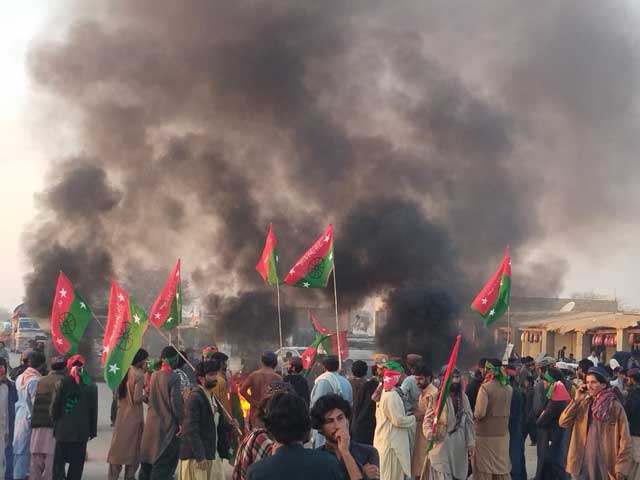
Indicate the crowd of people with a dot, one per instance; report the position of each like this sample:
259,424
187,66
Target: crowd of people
373,422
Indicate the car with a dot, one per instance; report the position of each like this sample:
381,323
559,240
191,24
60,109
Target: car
27,331
288,352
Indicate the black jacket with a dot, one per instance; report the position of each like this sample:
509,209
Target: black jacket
300,386
363,422
41,417
294,462
74,411
198,432
632,409
473,387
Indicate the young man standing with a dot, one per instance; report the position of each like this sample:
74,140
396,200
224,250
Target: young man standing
42,442
204,440
330,415
600,445
363,422
295,378
74,410
160,443
255,386
426,401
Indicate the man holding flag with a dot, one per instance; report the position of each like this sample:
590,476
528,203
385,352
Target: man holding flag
493,405
454,438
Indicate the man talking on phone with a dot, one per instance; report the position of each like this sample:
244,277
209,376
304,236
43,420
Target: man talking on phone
330,415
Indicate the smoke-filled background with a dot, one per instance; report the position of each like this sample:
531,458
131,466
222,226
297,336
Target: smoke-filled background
430,134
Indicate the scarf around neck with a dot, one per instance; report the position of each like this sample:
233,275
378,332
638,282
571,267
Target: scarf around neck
494,372
601,407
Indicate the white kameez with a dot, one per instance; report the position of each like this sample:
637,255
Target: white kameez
391,438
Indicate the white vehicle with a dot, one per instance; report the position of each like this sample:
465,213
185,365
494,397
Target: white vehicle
27,330
284,354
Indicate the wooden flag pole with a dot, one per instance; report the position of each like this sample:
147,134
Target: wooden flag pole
96,319
224,410
335,297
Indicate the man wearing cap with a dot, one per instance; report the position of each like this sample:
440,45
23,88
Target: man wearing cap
493,405
255,386
409,386
74,411
600,446
393,427
42,442
160,445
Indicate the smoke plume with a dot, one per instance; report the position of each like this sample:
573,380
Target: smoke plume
431,135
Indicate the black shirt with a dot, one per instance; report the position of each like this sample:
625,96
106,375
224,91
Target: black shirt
300,386
361,453
632,408
294,462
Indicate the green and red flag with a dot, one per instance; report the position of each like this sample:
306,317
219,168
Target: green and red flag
126,324
166,312
267,266
317,326
330,344
445,387
315,266
493,299
70,315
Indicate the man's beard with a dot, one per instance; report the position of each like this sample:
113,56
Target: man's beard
455,388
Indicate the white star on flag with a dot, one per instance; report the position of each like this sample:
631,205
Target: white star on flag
327,238
169,319
105,349
492,312
266,260
331,256
277,259
291,271
484,301
157,315
121,297
387,379
177,295
177,274
500,282
59,341
136,318
83,305
306,284
63,293
113,368
307,359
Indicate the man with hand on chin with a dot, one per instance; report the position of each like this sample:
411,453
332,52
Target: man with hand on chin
330,415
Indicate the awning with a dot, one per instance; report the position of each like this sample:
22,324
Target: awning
583,321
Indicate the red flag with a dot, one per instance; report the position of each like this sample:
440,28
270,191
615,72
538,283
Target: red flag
443,394
267,266
493,300
166,311
118,311
344,344
312,270
390,379
308,356
317,326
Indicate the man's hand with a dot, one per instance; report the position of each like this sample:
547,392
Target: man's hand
620,476
202,464
581,394
470,452
179,432
371,471
343,438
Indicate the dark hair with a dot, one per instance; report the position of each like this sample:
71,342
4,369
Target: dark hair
168,352
331,363
36,359
482,362
296,364
220,357
288,418
181,359
58,366
555,373
585,364
324,405
3,363
359,368
423,371
208,366
269,359
495,362
635,375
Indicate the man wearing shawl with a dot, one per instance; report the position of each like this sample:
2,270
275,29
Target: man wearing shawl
160,445
600,446
552,440
74,411
26,384
454,437
393,427
491,457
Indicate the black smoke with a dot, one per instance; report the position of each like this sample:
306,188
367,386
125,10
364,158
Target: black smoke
431,135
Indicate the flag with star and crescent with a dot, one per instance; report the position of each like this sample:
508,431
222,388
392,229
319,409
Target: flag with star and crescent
166,312
493,300
328,341
126,324
315,266
70,315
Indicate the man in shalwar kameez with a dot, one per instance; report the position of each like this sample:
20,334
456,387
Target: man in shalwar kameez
454,437
26,384
393,427
491,457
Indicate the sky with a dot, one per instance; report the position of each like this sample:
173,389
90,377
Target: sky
607,266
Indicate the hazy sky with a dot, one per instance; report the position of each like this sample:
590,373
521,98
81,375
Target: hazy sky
607,265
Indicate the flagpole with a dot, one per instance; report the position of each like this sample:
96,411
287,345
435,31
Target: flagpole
279,319
96,319
224,410
508,325
335,297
